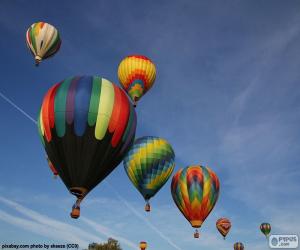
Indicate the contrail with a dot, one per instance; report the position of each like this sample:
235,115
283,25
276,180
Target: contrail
18,108
111,187
132,209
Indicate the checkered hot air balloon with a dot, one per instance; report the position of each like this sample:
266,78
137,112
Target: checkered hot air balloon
223,225
43,41
195,191
149,164
86,125
238,246
136,74
265,228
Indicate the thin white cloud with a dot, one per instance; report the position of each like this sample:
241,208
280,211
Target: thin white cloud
75,232
148,223
43,230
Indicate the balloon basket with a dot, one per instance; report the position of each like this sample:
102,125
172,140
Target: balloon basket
75,214
147,207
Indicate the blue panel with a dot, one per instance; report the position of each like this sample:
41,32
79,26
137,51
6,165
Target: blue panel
82,103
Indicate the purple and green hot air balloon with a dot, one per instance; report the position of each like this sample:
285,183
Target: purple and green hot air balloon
86,125
149,164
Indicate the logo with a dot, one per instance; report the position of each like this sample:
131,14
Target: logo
287,241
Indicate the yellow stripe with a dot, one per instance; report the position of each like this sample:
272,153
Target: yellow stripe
105,108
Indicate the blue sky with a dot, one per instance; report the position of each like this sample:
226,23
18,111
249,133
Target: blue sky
227,95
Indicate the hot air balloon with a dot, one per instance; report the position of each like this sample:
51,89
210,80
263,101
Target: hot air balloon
195,191
86,125
265,228
43,41
143,245
136,74
53,169
149,164
238,246
223,225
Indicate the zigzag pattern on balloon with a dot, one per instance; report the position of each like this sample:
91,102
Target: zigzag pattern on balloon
195,190
149,164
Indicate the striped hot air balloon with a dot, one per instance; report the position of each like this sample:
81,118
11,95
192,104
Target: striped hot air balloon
149,164
43,40
143,245
136,74
195,191
86,125
265,228
223,225
238,246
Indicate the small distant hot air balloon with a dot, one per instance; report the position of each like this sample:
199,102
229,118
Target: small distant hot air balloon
43,40
195,191
136,74
53,169
265,228
143,245
149,164
86,125
238,246
223,225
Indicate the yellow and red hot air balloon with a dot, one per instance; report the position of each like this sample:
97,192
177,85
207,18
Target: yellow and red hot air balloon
143,245
223,225
136,74
195,191
43,41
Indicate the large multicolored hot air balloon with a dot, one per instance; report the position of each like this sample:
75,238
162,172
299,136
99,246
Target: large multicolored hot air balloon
86,125
136,74
195,191
223,225
149,164
143,245
43,40
52,168
238,246
265,228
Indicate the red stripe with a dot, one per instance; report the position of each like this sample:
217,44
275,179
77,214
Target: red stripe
48,111
116,110
122,119
140,57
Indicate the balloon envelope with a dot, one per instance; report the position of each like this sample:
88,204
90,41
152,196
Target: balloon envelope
86,125
43,40
238,246
136,74
143,245
265,228
149,164
195,191
223,225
